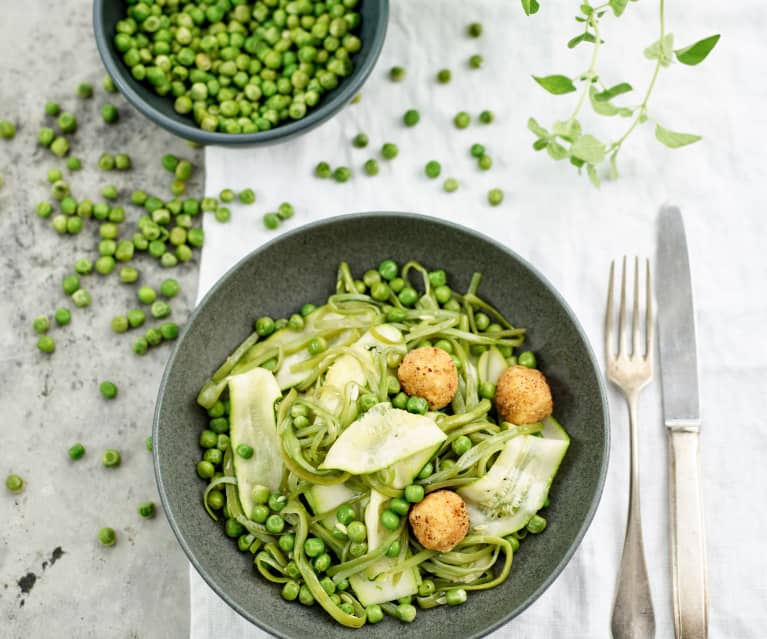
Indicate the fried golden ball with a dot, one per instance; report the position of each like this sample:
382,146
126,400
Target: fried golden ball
430,373
523,396
440,521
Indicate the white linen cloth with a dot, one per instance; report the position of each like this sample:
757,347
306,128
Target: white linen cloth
571,231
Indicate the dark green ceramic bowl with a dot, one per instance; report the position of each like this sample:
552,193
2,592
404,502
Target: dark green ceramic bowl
106,14
300,267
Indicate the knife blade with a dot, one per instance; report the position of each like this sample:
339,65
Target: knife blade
681,415
676,324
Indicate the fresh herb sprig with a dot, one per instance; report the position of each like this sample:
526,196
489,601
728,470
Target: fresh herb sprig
566,140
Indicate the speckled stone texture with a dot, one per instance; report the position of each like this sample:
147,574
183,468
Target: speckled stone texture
55,578
308,259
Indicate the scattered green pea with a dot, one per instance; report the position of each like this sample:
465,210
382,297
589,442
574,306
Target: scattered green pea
342,174
107,537
397,74
7,129
495,197
389,151
109,85
411,117
62,316
272,221
486,117
52,108
109,113
462,120
146,509
111,458
59,146
41,324
444,76
247,196
371,167
76,451
74,164
476,61
360,140
474,30
14,483
433,169
323,170
108,390
67,123
85,90
81,298
485,162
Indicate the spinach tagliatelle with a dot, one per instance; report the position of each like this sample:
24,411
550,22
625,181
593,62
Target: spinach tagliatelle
387,450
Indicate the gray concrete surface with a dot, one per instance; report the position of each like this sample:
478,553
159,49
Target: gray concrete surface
55,578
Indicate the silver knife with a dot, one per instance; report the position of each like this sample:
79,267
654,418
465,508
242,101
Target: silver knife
681,415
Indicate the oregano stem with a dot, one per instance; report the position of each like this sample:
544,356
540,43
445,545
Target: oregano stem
594,23
643,106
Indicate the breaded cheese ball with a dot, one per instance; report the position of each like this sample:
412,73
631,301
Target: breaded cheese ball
440,521
523,396
430,373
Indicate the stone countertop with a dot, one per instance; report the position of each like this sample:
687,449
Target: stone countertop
56,580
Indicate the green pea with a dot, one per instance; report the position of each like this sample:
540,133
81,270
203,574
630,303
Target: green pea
260,494
146,295
59,146
495,197
476,61
485,162
290,591
371,167
246,196
444,295
314,547
406,613
474,30
389,151
81,298
140,347
358,549
374,613
323,170
59,190
287,542
136,317
111,458
260,513
62,316
455,596
146,509
399,506
84,90
208,439
233,528
462,120
356,531
109,113
74,164
160,309
444,76
426,471
169,330
148,443
223,214
272,221
67,123
264,326
107,537
536,525
14,483
487,390
285,211
411,117
41,324
342,174
408,296
317,345
52,108
433,169
400,401
275,524
108,390
277,502
153,336
461,445
76,451
414,493
244,451
527,359
514,542
44,209
345,514
397,74
109,192
389,519
360,140
486,117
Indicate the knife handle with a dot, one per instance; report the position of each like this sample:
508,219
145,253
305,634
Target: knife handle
688,551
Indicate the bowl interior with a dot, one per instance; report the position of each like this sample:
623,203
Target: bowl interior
159,109
300,267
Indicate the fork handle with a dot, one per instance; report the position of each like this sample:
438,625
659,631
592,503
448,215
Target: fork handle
688,552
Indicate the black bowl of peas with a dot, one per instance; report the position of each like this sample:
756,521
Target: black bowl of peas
235,73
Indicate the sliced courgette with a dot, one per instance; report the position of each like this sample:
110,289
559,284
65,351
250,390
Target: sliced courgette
252,422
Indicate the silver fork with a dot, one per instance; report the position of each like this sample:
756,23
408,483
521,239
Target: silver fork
633,616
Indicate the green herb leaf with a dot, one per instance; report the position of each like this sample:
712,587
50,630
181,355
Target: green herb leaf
530,7
592,173
661,50
587,9
696,53
588,149
618,6
557,151
569,130
609,94
556,84
583,37
536,128
540,144
674,140
602,107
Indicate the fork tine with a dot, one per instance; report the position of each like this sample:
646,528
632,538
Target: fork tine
622,347
609,314
635,330
649,324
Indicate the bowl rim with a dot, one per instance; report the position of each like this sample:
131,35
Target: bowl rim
314,118
367,215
